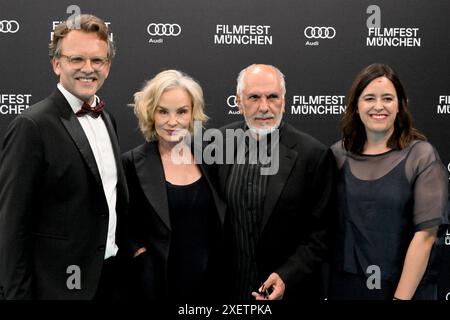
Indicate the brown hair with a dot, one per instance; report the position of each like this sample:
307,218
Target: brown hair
84,22
353,130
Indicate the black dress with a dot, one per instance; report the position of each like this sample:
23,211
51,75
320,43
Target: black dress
383,200
192,244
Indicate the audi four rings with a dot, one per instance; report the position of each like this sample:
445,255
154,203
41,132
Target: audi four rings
164,29
9,26
320,32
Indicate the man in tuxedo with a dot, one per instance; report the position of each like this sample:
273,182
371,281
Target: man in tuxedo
63,192
278,220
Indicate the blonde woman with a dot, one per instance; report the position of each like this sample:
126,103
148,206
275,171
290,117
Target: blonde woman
175,214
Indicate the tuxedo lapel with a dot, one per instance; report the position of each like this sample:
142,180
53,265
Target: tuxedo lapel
276,182
116,149
150,172
73,127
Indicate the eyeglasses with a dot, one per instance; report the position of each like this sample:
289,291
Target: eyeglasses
77,61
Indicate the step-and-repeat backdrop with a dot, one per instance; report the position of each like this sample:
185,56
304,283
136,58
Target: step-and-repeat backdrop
320,45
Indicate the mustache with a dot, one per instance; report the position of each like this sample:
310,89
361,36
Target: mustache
263,116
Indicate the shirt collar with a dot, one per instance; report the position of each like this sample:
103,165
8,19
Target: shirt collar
74,102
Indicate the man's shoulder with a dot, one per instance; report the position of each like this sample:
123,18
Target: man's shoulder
42,109
302,139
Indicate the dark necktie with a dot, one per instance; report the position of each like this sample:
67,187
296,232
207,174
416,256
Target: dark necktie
93,112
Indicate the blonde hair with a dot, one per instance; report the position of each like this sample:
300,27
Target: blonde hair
146,100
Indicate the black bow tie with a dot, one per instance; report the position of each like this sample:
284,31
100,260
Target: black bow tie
93,112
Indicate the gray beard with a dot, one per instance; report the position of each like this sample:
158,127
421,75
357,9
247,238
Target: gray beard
261,132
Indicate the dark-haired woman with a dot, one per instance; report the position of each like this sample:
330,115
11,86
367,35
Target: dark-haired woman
392,196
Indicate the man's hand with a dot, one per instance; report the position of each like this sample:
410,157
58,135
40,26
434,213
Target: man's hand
274,284
139,251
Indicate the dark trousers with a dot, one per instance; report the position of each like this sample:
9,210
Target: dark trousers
110,284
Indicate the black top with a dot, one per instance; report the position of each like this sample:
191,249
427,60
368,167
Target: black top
190,208
383,200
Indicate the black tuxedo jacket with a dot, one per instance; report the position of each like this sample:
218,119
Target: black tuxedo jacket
296,213
149,218
53,211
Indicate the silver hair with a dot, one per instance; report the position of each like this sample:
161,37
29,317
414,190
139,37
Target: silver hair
240,79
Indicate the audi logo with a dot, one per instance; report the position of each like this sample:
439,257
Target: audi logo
320,32
164,29
231,101
9,26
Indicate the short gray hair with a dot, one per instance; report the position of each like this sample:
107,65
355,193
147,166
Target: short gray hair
240,79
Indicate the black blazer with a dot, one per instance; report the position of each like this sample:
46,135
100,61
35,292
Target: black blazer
53,211
296,213
149,219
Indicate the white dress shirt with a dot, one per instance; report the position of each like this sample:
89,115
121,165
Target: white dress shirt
100,142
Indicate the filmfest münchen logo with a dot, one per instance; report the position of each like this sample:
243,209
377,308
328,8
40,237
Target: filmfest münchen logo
159,31
314,34
443,106
318,105
14,103
9,26
389,37
393,37
55,23
258,35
